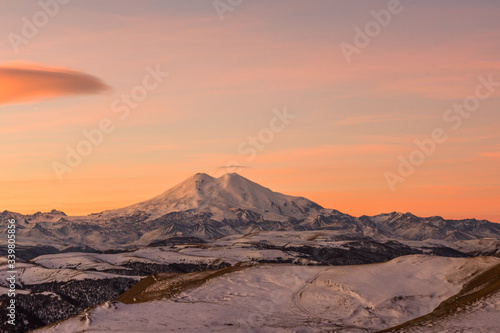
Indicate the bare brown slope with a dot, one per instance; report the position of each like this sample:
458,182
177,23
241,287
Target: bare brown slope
485,284
167,285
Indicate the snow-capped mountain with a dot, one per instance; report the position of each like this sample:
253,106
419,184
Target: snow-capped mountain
226,197
207,207
206,227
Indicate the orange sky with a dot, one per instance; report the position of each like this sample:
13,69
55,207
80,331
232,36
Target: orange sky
226,81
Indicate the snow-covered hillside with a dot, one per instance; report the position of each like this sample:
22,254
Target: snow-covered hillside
28,274
481,317
277,298
53,278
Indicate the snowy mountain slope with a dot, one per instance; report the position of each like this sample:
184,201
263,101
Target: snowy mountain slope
302,247
480,317
56,286
28,274
277,298
86,261
45,295
409,226
76,274
476,308
378,295
305,247
210,208
119,233
225,197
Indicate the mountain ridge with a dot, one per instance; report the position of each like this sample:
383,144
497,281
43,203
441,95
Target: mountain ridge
203,177
207,207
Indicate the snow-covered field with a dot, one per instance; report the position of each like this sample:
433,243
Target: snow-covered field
293,298
109,261
161,255
34,274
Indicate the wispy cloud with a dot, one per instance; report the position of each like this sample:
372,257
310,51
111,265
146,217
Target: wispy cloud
375,119
234,166
24,83
491,154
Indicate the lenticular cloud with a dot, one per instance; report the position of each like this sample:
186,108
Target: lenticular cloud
24,83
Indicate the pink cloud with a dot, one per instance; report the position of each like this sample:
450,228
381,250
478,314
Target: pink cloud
24,83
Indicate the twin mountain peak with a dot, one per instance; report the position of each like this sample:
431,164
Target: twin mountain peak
223,197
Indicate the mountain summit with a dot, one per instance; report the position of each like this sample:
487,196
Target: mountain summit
226,197
207,207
